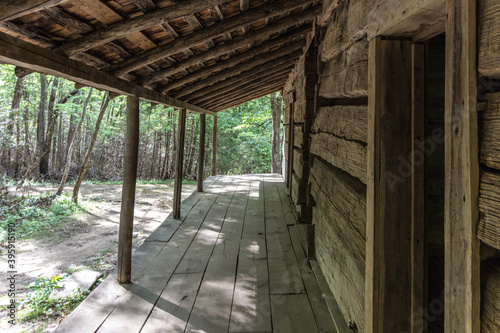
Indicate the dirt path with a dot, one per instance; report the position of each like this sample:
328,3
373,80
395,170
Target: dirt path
90,238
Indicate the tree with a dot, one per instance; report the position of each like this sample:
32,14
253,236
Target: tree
275,145
40,127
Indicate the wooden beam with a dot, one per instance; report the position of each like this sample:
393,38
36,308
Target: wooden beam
418,220
388,224
179,167
292,51
264,92
218,89
291,130
247,39
128,191
201,153
26,34
19,53
214,147
244,5
12,9
249,86
235,60
461,213
136,24
145,6
56,15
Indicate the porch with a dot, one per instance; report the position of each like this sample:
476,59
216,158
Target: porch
235,261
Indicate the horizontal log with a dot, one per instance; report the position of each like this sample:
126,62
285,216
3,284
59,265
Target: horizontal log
339,216
19,53
347,75
235,60
490,295
403,18
254,95
245,40
136,24
489,122
207,34
489,206
255,84
27,35
489,38
340,139
12,9
212,91
292,51
66,21
145,5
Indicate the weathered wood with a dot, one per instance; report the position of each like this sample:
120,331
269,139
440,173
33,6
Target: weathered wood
19,53
292,50
388,225
247,39
292,313
136,24
490,295
339,136
128,192
201,153
214,147
340,222
25,34
209,33
462,263
346,75
489,199
66,21
489,133
489,38
232,61
12,9
330,7
418,225
218,89
403,18
244,5
145,5
260,93
291,127
179,165
347,28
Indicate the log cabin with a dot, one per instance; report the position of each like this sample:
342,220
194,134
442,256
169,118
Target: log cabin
391,163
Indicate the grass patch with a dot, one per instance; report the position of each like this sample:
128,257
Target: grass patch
35,215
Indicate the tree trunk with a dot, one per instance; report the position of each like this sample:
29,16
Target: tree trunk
275,148
13,119
26,147
70,146
40,128
154,158
44,163
86,160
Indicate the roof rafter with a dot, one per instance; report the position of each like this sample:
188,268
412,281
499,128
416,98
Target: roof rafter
139,23
218,29
235,44
235,60
12,9
23,54
291,51
248,97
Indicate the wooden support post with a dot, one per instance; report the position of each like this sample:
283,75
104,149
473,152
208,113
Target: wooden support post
128,191
291,126
179,164
388,224
418,221
461,211
214,147
201,153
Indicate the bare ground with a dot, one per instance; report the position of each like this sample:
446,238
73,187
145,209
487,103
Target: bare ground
89,238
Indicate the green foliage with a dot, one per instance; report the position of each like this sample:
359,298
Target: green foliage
38,304
34,214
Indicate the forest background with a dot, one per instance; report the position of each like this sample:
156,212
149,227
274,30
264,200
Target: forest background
30,103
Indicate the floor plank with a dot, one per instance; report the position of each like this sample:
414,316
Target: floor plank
292,313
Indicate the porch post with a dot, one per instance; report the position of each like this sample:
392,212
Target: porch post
179,165
214,147
461,211
128,191
201,153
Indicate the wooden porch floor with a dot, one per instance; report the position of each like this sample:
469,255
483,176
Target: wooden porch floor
234,262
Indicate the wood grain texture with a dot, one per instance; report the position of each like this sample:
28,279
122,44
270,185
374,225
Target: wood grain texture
347,74
489,203
461,211
179,167
339,136
12,9
489,38
490,295
340,218
489,124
